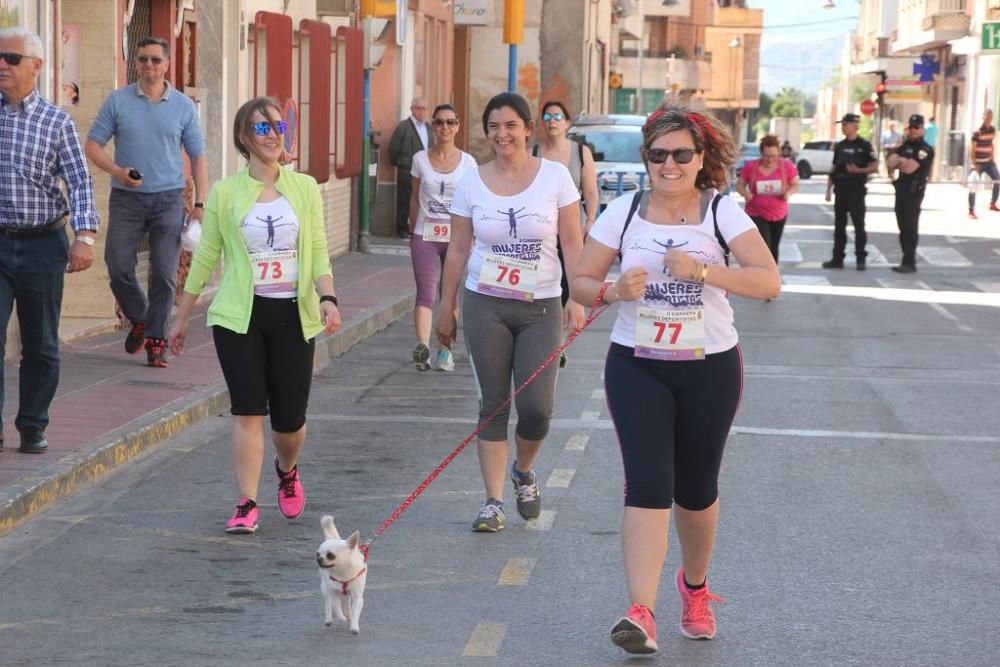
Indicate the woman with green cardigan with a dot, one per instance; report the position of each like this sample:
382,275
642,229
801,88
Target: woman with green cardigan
276,295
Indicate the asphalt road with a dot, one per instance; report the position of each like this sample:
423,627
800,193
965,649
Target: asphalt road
859,494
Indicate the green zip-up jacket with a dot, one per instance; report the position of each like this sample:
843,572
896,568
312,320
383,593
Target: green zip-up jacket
229,202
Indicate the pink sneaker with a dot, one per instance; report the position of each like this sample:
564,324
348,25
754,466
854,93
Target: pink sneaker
245,518
636,631
697,619
291,495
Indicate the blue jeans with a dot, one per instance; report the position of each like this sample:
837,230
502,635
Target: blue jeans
132,215
32,271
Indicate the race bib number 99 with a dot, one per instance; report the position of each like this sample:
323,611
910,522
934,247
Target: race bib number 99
670,335
508,277
437,230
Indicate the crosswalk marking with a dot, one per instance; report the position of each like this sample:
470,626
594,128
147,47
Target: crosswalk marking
543,522
941,256
902,283
788,279
577,442
561,478
587,415
597,395
789,253
485,640
516,572
987,287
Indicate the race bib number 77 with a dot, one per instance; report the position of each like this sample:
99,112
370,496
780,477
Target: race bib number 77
670,334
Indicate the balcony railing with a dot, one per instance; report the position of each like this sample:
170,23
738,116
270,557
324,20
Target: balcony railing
926,22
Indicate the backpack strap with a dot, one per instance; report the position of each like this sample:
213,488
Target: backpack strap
534,151
718,234
636,198
579,150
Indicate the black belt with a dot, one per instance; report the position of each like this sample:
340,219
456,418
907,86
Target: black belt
29,232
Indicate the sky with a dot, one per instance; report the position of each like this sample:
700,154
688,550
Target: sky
802,56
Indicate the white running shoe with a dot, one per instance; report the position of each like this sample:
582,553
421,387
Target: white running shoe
446,360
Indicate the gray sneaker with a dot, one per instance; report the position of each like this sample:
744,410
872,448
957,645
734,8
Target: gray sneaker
490,518
529,498
422,356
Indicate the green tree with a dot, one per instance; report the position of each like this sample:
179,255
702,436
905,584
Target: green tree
788,103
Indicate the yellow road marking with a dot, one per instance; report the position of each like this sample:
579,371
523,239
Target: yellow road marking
516,572
561,478
485,640
577,442
543,522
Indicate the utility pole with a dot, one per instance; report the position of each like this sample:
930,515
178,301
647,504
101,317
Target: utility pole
513,34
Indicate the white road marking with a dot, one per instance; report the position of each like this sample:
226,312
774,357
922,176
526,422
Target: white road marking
790,253
543,522
905,295
987,287
942,256
561,478
597,395
788,279
590,415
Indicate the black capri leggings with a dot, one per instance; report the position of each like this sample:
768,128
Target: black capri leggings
672,419
270,366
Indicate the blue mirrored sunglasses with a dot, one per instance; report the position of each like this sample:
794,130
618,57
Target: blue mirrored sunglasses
263,128
552,116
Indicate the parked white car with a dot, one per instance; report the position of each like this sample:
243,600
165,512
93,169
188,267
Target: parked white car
816,157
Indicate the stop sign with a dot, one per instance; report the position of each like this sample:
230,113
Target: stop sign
867,107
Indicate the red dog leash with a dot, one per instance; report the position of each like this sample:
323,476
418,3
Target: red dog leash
595,312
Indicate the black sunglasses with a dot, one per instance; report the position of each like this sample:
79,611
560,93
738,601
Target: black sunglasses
14,59
263,128
546,117
450,122
660,155
156,60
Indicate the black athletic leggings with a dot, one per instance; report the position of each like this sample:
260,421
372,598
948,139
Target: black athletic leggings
269,368
672,419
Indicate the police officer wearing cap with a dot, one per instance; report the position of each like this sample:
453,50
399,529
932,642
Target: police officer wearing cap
913,160
853,160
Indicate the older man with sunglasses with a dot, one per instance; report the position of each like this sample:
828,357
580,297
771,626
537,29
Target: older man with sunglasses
40,148
150,122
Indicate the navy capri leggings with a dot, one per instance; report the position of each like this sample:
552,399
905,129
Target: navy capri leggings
672,419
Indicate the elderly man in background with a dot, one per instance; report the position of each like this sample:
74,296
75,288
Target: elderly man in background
41,153
409,138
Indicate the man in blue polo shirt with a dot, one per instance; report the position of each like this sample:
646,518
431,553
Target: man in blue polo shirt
150,121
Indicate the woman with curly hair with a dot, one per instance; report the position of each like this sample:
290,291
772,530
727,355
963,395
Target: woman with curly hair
673,375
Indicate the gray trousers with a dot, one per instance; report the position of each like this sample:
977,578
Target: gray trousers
510,339
131,216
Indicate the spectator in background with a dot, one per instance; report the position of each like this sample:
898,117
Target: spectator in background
35,254
150,122
409,138
787,152
981,155
930,133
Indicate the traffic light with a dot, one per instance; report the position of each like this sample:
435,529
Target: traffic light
513,21
880,89
380,9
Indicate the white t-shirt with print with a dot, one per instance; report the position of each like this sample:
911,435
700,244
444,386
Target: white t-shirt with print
270,227
523,226
645,245
436,188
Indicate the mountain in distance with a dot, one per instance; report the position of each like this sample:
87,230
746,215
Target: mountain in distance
800,63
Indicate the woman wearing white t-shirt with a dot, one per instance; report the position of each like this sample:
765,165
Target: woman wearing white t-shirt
506,217
435,172
673,375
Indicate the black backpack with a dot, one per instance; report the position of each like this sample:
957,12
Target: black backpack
715,222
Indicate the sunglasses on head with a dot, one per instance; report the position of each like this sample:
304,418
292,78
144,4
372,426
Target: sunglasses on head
263,128
439,122
156,60
680,155
14,59
546,117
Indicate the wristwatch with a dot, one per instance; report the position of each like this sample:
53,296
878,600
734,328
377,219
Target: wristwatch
199,204
89,240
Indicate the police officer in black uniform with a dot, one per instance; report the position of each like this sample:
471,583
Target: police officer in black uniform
853,160
913,159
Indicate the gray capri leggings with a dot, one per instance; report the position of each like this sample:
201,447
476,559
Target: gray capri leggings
506,337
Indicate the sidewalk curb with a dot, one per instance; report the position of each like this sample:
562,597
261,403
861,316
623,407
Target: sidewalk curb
82,468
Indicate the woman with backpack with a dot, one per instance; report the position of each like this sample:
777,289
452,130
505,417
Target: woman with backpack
673,375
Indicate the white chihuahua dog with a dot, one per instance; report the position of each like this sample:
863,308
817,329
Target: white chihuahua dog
343,570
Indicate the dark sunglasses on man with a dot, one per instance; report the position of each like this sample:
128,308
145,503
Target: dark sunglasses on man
14,59
263,128
439,122
660,155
